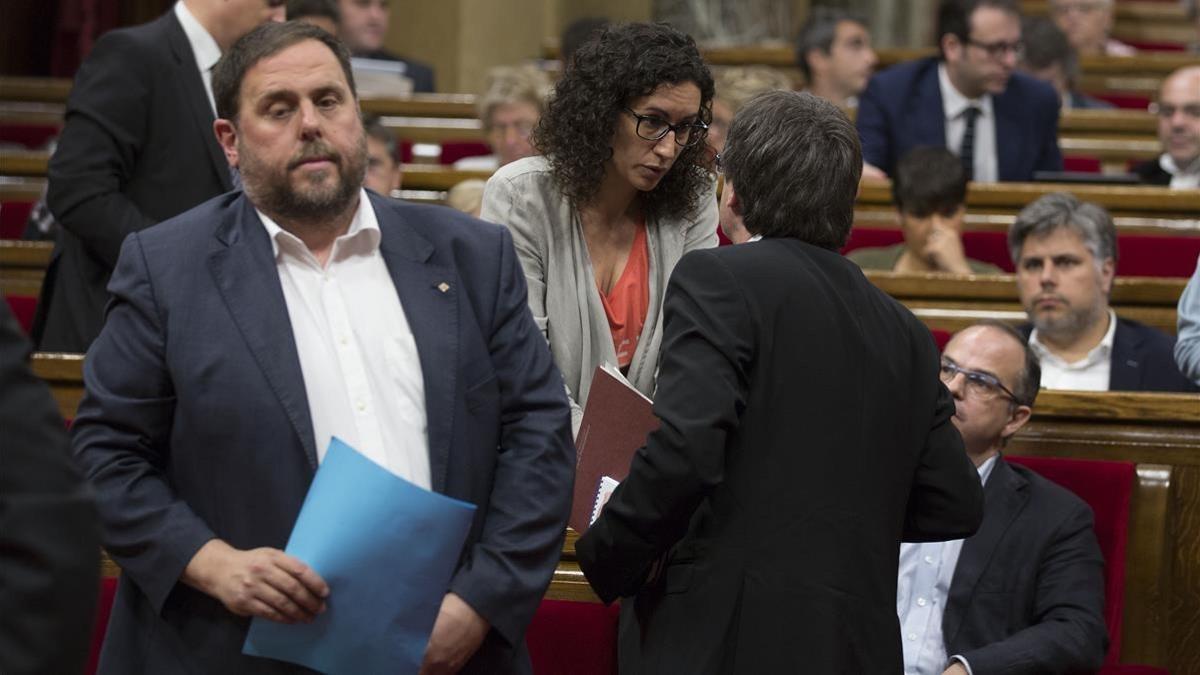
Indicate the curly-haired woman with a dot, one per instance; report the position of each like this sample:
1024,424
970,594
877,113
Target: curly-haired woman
619,194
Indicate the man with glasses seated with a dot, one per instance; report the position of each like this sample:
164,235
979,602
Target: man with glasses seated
1178,112
1002,124
1025,594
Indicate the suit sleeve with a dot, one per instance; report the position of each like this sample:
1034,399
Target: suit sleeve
121,436
106,125
510,567
1049,155
946,499
708,343
1187,344
49,535
1068,633
873,131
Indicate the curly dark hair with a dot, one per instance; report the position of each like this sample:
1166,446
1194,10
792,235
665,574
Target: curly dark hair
622,63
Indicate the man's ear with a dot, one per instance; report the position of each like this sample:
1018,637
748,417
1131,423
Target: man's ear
1020,416
226,133
952,47
729,196
1108,271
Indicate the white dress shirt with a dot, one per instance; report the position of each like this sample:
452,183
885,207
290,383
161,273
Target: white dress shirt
954,104
922,589
204,48
1182,178
1091,373
362,372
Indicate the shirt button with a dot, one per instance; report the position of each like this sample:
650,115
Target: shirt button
928,560
912,636
342,340
362,406
921,602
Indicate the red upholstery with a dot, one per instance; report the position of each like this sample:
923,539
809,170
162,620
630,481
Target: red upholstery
941,337
108,591
1127,101
1082,164
23,308
405,149
573,638
13,216
32,136
452,151
1148,46
1107,487
989,247
871,237
1147,255
1123,669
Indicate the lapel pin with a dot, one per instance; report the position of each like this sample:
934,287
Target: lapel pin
443,287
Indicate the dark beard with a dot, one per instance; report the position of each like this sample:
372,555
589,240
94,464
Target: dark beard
271,191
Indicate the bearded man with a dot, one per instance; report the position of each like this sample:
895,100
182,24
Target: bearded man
1065,252
247,332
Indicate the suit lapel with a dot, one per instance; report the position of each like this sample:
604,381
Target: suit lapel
243,267
1125,369
429,295
1005,495
191,92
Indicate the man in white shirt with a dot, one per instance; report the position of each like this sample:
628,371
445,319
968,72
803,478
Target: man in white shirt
1178,112
1002,124
1025,594
246,333
137,147
1065,252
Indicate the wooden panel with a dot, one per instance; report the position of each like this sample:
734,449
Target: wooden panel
877,216
64,374
434,129
21,189
1147,568
41,89
424,105
30,163
426,177
22,266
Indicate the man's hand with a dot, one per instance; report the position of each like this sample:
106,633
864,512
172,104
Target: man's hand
870,171
262,582
457,634
944,250
956,668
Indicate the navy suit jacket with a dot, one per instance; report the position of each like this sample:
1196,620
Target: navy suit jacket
902,109
1027,595
196,424
137,148
1143,359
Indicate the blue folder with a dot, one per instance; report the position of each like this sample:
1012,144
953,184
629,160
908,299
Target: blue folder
387,549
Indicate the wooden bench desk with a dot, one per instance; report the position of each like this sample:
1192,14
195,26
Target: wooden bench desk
22,266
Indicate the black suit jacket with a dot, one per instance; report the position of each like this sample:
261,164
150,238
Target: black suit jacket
49,534
420,73
1027,595
1152,173
1143,359
137,148
902,108
804,434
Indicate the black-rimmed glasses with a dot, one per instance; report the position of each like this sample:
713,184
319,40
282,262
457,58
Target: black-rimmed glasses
997,50
654,128
979,385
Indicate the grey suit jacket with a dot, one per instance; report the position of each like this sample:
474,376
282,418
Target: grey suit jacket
196,423
562,290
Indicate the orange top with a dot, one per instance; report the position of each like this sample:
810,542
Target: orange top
629,299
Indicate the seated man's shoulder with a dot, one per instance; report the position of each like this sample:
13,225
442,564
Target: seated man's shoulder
193,226
1030,92
876,257
443,226
1050,502
904,75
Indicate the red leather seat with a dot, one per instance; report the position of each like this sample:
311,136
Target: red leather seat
573,638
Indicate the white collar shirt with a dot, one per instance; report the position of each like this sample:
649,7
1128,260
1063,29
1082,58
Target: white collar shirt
1091,373
922,589
1182,178
204,48
362,372
954,105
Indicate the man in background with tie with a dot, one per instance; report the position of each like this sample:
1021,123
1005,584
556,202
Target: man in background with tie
1001,123
137,148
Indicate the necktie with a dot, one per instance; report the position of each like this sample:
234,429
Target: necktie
966,151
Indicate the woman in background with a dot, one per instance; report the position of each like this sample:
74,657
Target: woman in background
620,193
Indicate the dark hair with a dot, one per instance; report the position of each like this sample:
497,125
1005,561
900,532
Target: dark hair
1029,380
265,41
624,62
575,34
819,31
954,17
929,179
373,127
794,161
298,9
1046,45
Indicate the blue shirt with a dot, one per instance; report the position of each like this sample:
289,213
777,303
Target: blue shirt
922,588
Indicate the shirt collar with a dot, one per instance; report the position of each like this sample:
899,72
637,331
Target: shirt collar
954,103
363,232
1168,164
985,469
204,47
1096,355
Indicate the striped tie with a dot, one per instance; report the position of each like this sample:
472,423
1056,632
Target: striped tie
966,151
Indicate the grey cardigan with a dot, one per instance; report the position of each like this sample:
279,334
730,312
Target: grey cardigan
563,296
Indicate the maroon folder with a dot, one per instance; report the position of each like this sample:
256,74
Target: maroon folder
615,423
